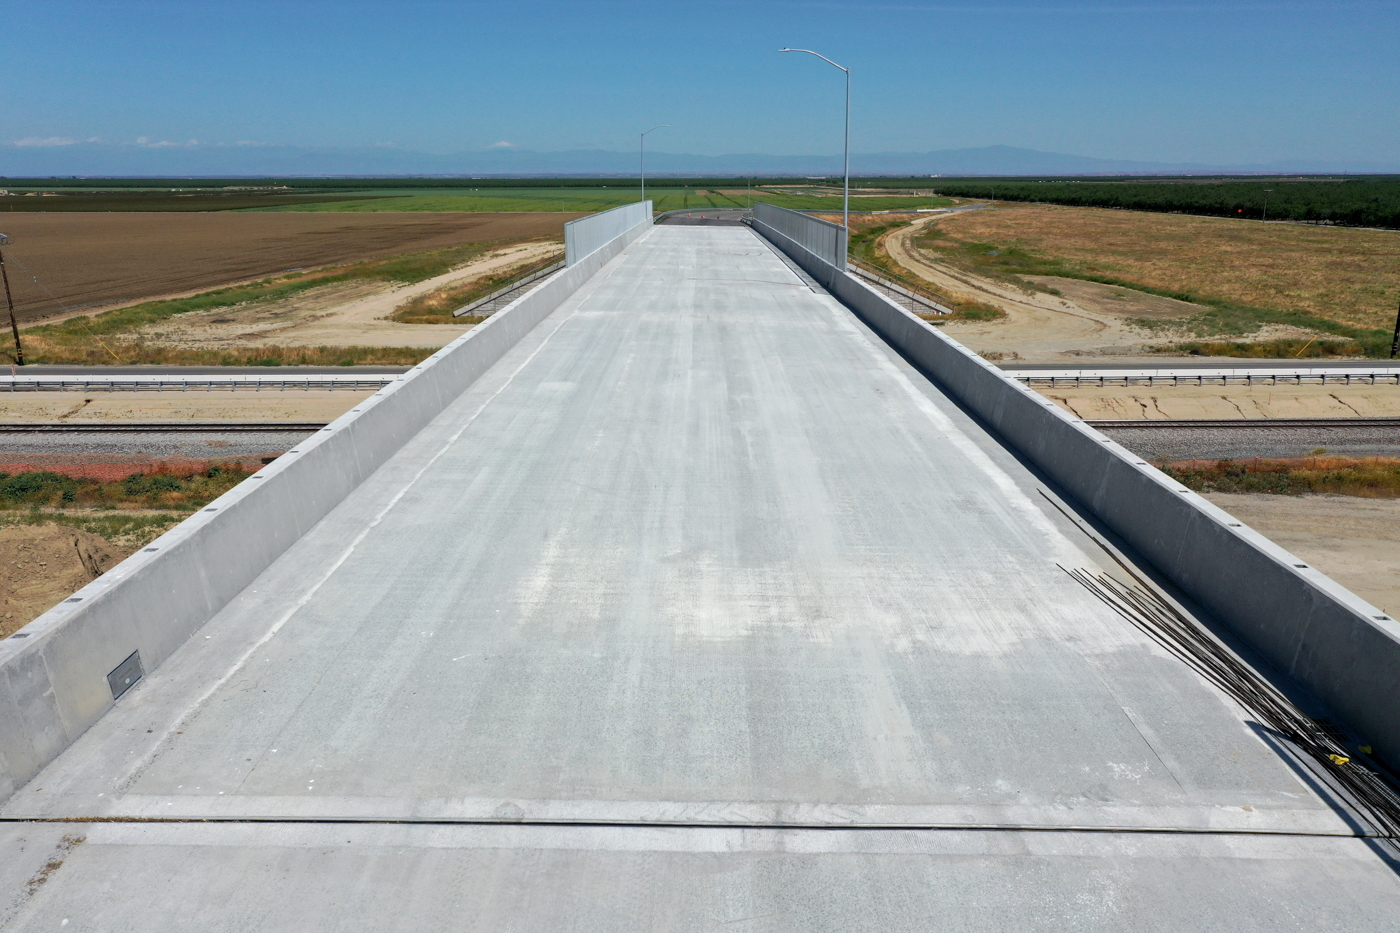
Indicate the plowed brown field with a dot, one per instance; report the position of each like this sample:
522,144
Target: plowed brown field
92,261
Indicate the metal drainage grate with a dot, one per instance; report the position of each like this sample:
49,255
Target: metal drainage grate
126,674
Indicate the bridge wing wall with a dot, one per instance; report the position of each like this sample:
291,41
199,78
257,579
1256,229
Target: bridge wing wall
586,235
1346,651
54,672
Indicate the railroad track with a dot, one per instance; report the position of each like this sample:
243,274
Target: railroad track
165,427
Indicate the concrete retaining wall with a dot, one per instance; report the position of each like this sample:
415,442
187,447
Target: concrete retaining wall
53,672
587,234
1329,640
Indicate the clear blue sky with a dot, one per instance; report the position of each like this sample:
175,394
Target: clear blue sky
1158,80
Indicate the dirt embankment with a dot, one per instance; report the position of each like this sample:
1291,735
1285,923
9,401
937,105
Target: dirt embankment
44,564
95,261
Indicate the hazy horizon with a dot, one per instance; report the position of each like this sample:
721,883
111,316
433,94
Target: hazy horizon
1166,82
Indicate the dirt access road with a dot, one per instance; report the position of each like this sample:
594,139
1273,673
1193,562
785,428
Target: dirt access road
1085,320
345,314
97,261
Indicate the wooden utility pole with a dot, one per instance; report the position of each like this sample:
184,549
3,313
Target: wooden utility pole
19,349
1395,341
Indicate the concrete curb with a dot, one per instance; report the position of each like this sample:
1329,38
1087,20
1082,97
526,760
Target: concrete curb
1343,649
54,671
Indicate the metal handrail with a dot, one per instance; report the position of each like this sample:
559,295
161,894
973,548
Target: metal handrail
919,290
538,271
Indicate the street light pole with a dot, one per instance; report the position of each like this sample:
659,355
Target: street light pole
19,350
643,155
846,193
1267,192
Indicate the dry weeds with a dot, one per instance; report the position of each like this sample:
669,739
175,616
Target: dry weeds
1346,275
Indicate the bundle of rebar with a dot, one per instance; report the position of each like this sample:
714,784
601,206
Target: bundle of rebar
1363,788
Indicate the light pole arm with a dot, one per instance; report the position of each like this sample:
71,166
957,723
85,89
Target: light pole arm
846,188
642,151
822,57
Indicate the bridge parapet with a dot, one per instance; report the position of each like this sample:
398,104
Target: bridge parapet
586,235
825,241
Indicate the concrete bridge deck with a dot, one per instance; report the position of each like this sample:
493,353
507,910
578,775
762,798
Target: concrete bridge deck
702,609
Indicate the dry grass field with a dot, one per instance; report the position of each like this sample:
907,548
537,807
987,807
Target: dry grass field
94,261
1246,273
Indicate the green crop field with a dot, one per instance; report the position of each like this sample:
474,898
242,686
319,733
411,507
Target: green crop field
571,199
420,194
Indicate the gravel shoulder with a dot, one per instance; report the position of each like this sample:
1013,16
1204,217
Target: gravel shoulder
105,407
1262,402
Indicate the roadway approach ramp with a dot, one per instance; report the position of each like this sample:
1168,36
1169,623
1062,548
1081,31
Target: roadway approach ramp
701,609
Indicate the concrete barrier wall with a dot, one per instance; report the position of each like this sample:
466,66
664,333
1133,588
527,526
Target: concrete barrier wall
53,672
587,234
827,242
1325,637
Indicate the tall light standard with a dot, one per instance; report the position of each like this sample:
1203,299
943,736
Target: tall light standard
19,350
846,199
1267,192
643,155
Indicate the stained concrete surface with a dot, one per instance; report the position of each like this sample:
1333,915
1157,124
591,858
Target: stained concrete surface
712,593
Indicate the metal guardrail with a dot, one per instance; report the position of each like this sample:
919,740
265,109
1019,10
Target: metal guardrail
505,295
177,383
583,236
1309,375
825,240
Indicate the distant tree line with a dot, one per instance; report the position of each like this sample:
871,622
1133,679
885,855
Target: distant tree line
1357,202
416,182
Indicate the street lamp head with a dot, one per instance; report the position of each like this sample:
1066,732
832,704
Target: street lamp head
4,240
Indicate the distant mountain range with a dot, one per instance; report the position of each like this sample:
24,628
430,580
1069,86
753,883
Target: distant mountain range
56,157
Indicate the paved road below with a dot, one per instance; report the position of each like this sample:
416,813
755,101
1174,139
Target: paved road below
699,608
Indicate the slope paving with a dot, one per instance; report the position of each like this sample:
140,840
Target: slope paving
701,609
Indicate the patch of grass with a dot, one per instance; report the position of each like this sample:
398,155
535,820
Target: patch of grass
1283,348
35,489
130,529
43,349
1347,276
967,310
1372,477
